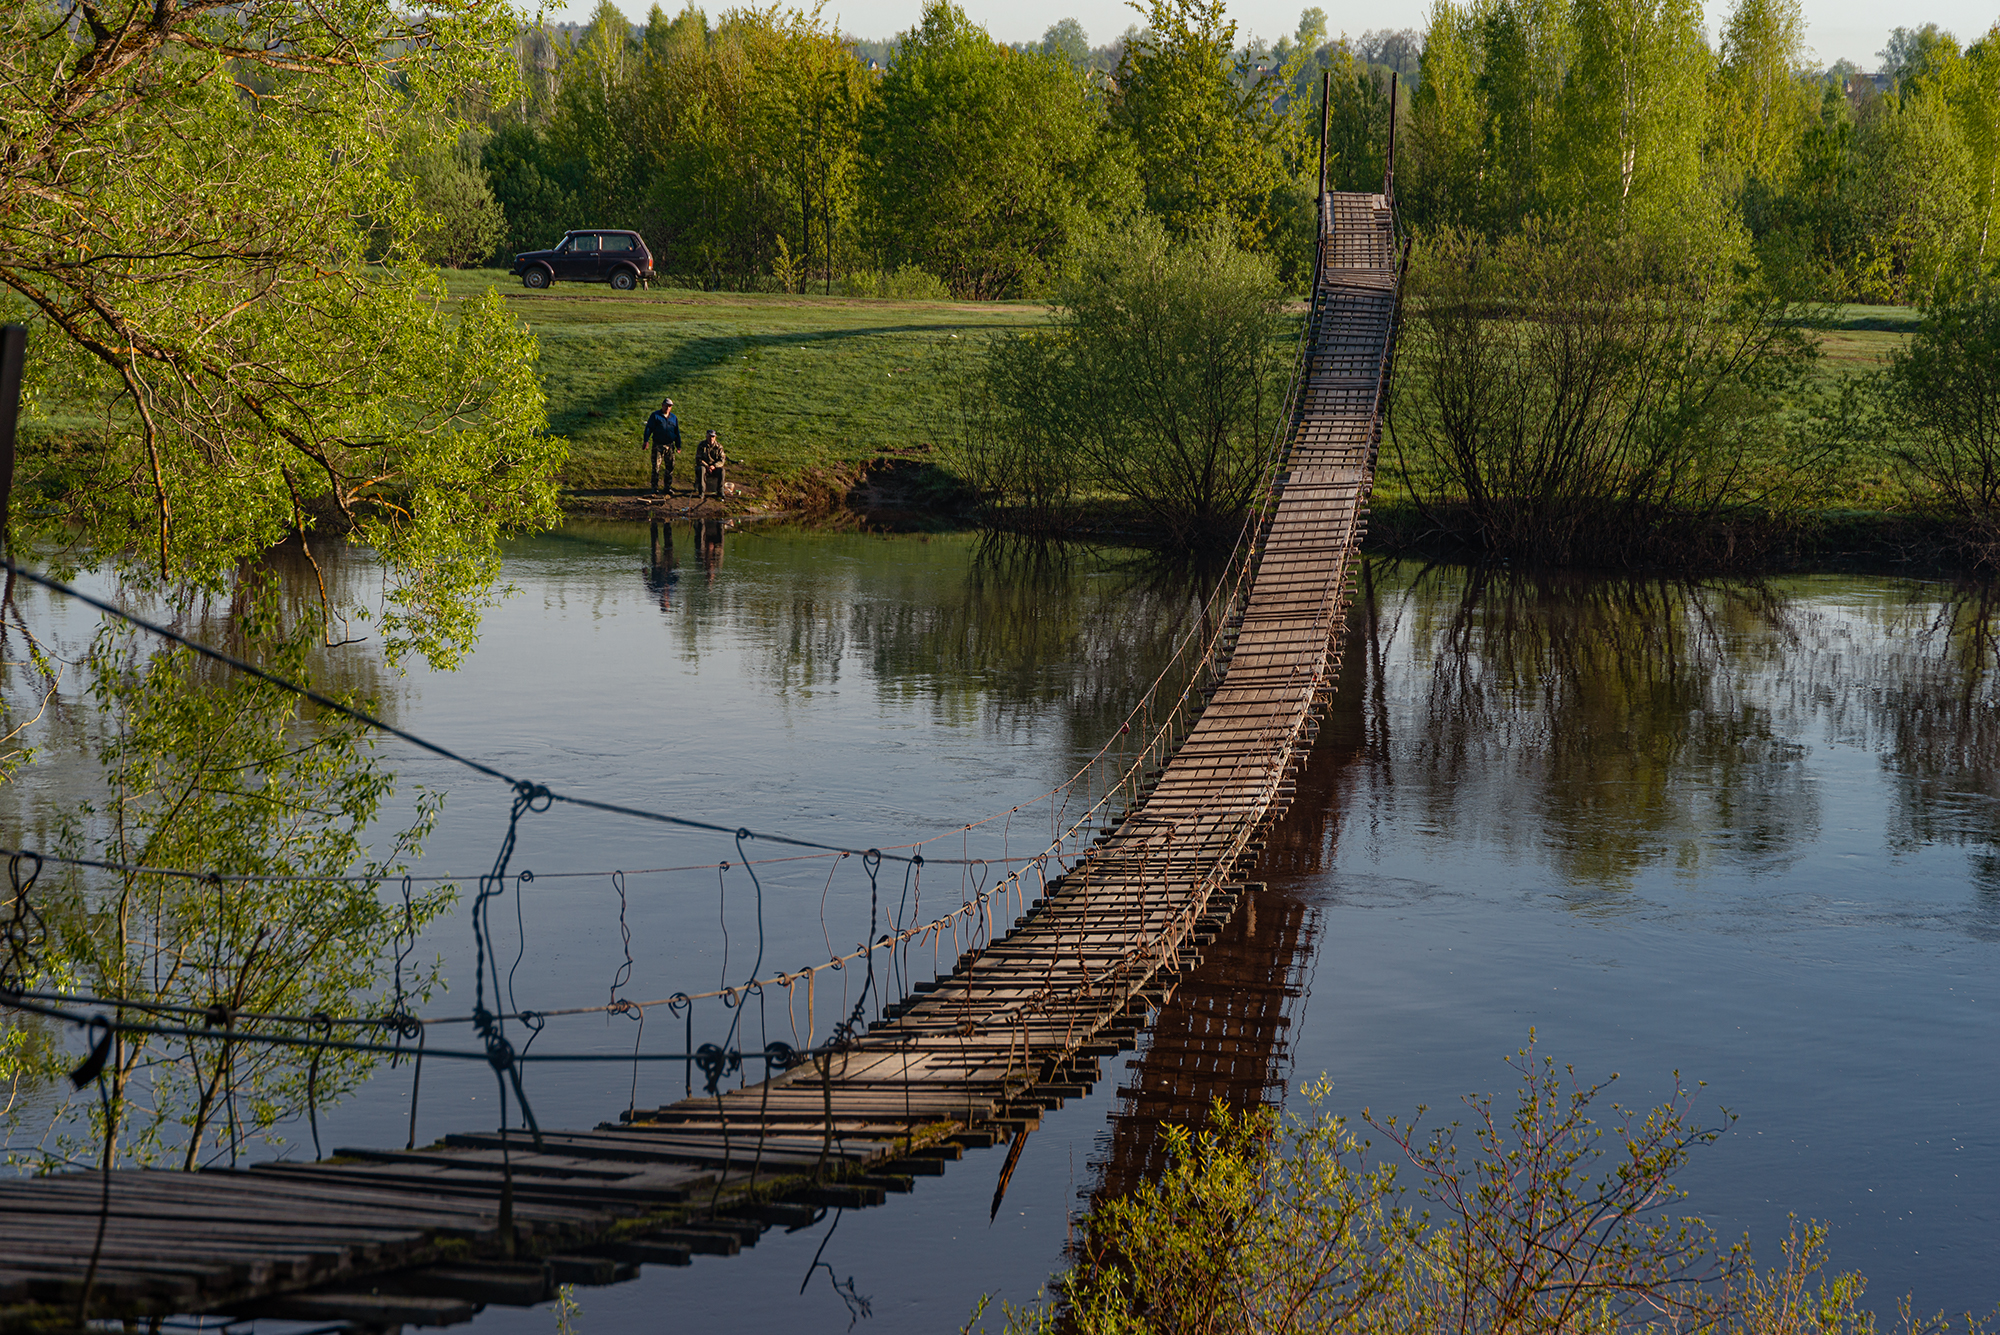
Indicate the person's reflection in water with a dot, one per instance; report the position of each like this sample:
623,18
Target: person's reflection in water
708,546
660,573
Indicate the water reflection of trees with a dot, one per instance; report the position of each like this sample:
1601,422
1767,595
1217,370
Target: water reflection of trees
999,632
1936,713
1605,722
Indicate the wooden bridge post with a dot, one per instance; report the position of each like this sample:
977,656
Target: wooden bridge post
1389,159
14,355
1325,119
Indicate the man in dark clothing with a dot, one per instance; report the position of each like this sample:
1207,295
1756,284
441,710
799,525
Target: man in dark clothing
708,462
663,434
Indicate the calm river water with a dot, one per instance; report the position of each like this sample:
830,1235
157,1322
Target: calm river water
1749,832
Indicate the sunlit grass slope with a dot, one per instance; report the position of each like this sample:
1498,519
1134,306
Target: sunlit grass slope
792,383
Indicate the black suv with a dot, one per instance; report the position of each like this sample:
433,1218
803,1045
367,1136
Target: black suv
596,256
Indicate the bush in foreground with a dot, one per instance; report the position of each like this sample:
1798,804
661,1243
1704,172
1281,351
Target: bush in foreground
1541,1220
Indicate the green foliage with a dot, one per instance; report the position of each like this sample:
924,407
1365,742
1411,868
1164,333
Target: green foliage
209,772
1913,194
1067,41
1357,124
982,164
1528,108
461,222
1210,144
1539,1219
195,198
1261,1223
1566,392
535,186
1759,108
1161,381
1633,151
1943,395
717,144
1546,1221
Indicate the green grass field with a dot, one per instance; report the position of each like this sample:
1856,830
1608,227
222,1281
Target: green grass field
792,383
799,384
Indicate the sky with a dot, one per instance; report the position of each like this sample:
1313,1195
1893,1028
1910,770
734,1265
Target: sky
1837,29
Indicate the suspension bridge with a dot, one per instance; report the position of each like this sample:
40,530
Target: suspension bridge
968,1060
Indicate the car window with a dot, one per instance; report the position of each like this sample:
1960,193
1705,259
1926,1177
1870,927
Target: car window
562,246
585,244
618,241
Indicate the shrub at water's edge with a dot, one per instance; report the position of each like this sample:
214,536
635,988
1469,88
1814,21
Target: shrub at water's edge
1942,395
1569,394
1156,387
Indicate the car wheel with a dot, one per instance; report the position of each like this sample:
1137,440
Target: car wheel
536,277
624,280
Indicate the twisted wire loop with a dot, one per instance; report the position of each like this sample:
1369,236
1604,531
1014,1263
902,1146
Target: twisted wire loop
683,1005
323,1022
24,931
624,972
399,1021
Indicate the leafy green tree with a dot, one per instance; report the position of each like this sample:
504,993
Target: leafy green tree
590,118
983,164
1809,230
228,775
193,200
1357,140
1976,100
1534,108
1535,1219
535,187
1209,137
1066,40
1162,379
462,223
1914,192
1912,52
746,136
1760,107
1641,66
1443,161
1527,48
1568,395
664,37
1943,394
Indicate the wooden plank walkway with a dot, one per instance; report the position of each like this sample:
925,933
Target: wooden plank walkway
379,1238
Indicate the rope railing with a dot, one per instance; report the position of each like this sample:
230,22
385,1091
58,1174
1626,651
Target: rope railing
1201,655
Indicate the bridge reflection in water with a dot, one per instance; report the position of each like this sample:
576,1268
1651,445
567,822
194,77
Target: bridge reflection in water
1224,1035
1220,1039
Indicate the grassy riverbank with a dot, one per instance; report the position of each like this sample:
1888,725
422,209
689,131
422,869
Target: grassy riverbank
806,390
805,385
797,385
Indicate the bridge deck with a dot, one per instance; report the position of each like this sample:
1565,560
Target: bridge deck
381,1237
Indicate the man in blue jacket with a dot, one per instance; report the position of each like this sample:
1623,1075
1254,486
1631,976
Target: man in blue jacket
663,434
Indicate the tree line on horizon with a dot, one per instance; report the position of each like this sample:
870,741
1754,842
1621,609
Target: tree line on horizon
766,150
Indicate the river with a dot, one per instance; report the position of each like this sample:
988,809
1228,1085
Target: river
1749,832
